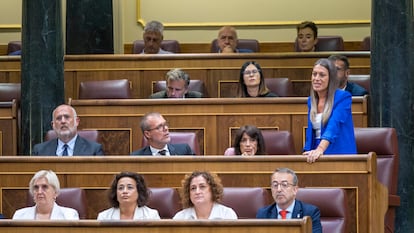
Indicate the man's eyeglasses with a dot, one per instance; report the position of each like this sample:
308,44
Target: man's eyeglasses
283,185
160,127
250,72
340,68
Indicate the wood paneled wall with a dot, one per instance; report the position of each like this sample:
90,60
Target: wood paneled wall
265,47
8,128
143,70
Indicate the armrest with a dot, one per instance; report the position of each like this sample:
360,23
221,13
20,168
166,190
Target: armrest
394,200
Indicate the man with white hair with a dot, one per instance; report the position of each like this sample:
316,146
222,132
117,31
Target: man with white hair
153,36
68,143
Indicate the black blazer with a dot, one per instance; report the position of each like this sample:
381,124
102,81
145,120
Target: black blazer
82,147
175,149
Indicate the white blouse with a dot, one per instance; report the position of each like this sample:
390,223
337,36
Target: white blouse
143,212
317,125
218,212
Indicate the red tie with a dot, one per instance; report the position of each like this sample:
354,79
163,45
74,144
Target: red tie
283,213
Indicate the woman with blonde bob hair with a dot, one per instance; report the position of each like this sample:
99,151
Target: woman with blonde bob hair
200,193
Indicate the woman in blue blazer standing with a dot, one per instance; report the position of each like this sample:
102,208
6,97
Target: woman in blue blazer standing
330,126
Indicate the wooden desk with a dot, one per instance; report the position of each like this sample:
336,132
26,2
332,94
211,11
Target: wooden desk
216,70
214,120
367,198
159,226
8,128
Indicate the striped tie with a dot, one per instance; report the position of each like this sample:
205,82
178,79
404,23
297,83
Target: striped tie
65,150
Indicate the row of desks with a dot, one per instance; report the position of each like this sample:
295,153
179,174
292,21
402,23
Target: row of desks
214,120
367,198
160,226
220,72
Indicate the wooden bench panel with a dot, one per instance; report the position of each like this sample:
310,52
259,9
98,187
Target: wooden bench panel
211,118
8,128
209,67
367,198
160,226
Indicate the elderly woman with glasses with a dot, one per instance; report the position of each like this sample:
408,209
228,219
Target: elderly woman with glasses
251,82
44,187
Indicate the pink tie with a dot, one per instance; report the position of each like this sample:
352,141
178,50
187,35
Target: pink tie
283,213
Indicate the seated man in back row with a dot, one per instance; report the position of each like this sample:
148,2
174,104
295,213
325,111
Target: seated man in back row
342,72
153,36
177,82
227,41
68,143
155,129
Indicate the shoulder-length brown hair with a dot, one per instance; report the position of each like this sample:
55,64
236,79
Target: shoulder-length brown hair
213,181
143,191
253,132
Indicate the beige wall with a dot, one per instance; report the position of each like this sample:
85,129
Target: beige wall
267,20
10,20
192,21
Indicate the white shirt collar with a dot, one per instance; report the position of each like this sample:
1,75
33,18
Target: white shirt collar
71,146
154,151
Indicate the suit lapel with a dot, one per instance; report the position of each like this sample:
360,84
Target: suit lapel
273,213
51,150
171,149
297,210
79,144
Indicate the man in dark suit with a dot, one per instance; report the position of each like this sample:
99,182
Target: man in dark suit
342,67
68,143
155,129
177,82
284,185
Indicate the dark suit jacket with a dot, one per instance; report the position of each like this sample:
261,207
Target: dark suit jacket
299,210
82,147
163,94
355,89
175,149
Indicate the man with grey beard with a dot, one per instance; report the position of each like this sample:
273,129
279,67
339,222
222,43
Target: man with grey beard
68,143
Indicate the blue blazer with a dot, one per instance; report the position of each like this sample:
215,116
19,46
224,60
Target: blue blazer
355,89
339,130
82,147
300,210
175,149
